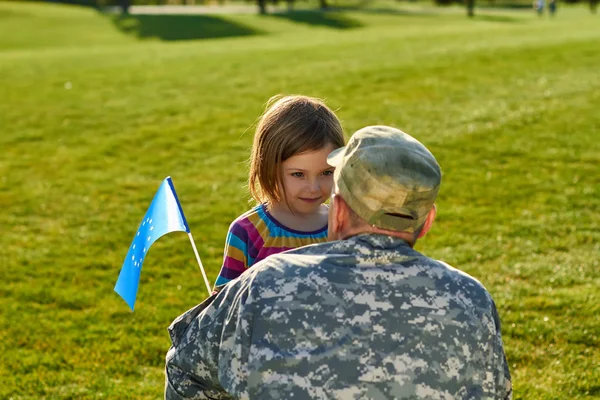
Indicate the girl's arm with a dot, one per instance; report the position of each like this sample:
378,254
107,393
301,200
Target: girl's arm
235,256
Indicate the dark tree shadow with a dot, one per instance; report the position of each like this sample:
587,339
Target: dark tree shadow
328,19
496,18
386,11
506,5
180,27
85,3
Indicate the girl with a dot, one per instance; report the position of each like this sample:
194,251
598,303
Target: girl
289,179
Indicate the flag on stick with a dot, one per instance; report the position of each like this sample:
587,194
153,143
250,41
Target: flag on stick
163,216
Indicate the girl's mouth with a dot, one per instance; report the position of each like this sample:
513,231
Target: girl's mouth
308,200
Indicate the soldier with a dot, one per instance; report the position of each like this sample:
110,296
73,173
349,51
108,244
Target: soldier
364,316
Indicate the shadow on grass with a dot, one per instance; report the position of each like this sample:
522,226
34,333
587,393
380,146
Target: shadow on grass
386,11
319,18
180,27
496,18
85,3
506,5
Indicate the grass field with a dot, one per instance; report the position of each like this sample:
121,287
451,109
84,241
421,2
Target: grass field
96,110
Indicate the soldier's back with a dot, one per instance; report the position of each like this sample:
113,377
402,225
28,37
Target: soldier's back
369,317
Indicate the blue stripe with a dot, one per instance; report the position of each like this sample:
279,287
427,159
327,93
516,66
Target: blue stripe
221,281
277,231
274,230
233,240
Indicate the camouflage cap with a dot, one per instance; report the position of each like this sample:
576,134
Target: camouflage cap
387,177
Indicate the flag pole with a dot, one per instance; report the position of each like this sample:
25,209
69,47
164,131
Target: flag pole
200,263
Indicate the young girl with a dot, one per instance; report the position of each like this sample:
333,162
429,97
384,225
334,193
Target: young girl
289,179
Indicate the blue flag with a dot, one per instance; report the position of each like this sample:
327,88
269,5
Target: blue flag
163,216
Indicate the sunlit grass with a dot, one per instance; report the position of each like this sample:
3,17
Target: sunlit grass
94,115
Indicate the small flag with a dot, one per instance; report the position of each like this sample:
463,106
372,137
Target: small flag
163,216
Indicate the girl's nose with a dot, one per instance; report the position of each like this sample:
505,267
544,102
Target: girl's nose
314,185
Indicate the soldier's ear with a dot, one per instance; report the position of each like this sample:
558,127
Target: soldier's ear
336,221
428,222
334,213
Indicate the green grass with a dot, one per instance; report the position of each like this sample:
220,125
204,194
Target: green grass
97,110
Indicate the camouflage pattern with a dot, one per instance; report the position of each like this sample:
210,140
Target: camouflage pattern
363,318
387,177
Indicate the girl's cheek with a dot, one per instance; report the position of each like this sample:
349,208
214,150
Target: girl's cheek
327,184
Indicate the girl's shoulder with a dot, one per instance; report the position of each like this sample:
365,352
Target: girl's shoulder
252,211
247,217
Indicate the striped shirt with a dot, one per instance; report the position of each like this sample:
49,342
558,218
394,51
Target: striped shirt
255,235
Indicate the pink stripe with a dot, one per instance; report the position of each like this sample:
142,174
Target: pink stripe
233,264
267,251
253,235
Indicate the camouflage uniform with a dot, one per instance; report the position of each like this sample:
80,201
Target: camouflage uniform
363,318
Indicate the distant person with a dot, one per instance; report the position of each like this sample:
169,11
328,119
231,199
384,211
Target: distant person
289,179
125,5
362,317
552,7
539,6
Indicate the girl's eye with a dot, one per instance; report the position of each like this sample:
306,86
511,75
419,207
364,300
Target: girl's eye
297,174
328,173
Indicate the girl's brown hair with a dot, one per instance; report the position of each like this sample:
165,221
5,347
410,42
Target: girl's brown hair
290,125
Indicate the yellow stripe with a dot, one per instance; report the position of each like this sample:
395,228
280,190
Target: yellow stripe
260,226
237,254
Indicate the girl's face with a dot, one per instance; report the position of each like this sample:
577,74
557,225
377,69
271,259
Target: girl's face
307,180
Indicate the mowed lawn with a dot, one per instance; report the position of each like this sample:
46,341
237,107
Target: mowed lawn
96,110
